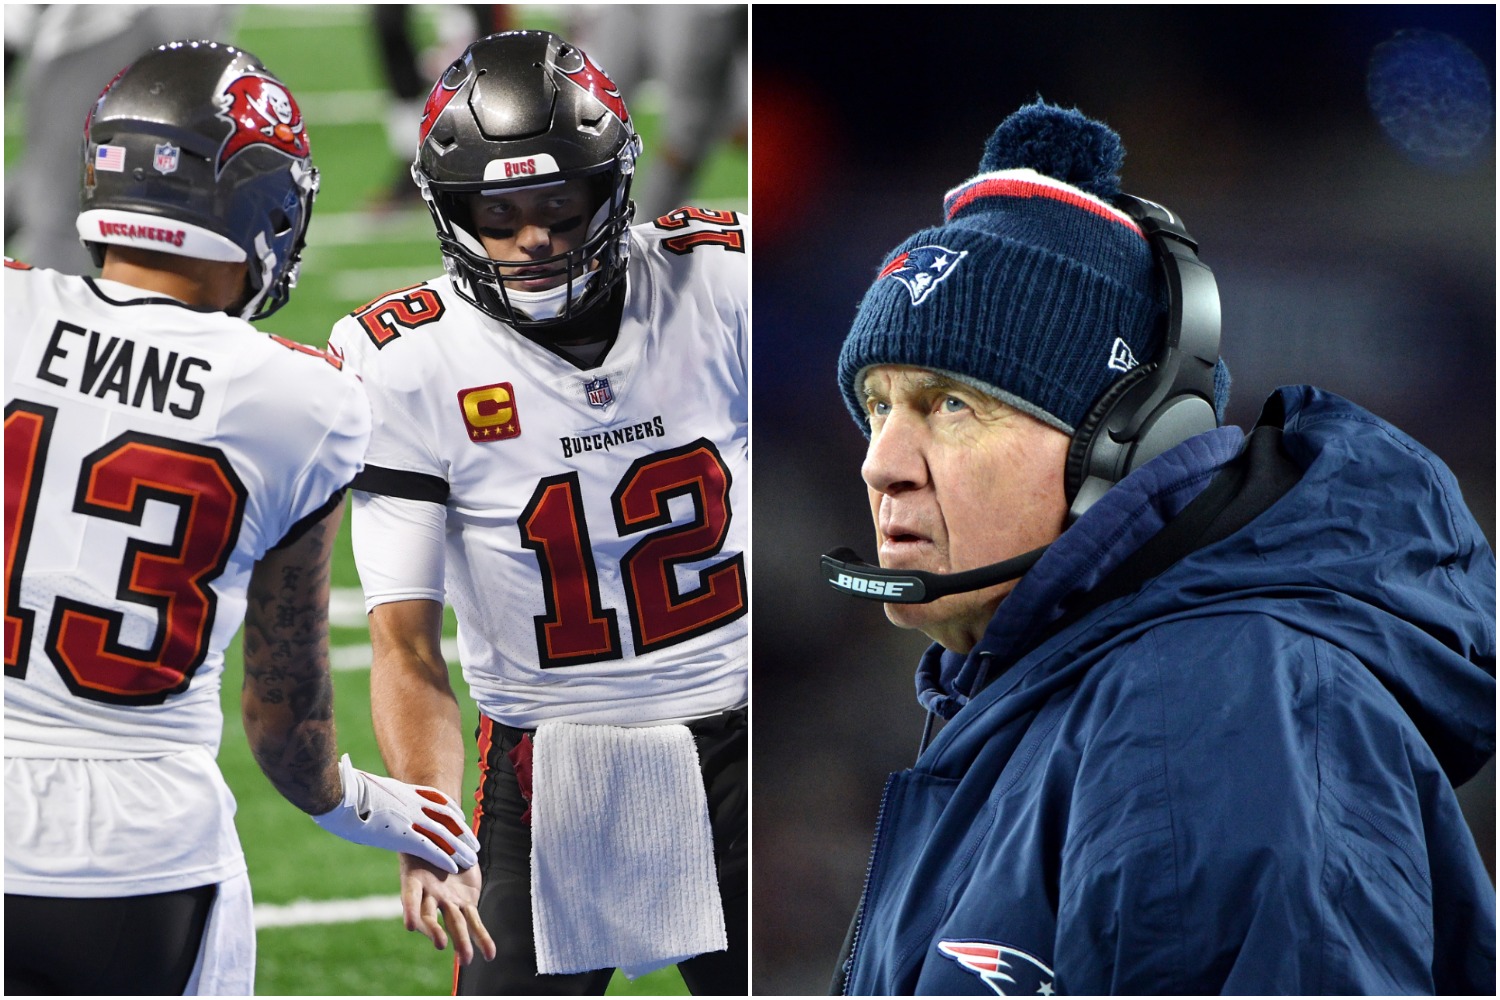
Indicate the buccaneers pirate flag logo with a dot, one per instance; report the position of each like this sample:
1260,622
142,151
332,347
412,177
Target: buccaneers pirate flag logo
262,113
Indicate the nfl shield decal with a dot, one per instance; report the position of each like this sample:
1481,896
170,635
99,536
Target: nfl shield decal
166,158
598,392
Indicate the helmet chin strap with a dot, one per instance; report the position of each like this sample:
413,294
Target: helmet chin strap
265,259
549,302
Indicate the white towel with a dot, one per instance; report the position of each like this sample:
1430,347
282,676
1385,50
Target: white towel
622,866
226,956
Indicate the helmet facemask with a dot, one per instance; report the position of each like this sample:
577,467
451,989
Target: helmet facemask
521,110
277,262
591,270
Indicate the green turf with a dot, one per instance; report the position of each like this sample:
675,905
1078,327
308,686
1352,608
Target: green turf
290,859
322,51
293,961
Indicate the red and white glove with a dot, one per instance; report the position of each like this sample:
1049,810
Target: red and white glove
408,819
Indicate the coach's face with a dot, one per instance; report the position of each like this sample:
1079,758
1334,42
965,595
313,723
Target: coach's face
957,480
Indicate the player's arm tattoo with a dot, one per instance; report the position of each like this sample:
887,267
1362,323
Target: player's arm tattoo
287,699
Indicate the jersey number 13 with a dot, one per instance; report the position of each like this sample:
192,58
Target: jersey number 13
173,578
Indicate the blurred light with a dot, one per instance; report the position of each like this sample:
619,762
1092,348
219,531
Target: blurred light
795,146
1432,97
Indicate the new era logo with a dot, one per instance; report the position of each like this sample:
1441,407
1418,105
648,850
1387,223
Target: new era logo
1121,358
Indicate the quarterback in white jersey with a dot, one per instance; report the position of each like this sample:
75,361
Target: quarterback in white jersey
591,522
171,472
560,452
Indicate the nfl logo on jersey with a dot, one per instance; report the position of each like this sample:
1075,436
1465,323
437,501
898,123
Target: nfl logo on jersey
599,393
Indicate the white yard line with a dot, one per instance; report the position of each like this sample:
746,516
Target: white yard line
364,285
327,911
346,609
357,656
413,225
327,108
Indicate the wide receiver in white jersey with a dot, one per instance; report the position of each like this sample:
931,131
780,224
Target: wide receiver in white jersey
560,452
169,472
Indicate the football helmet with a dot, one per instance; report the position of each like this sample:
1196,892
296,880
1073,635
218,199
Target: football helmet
520,109
196,149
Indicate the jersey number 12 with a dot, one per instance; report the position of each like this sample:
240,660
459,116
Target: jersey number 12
576,629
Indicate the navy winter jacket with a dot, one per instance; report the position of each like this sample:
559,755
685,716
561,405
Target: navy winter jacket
1209,742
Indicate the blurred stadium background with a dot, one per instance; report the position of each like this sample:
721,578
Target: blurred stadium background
1351,229
328,917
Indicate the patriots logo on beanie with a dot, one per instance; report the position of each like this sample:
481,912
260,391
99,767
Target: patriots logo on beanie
1056,287
921,268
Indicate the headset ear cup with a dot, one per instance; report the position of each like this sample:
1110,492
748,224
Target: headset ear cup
1080,451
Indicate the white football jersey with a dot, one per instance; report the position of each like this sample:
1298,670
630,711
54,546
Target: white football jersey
153,454
596,520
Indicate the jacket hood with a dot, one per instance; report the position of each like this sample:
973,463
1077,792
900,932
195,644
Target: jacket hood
1371,549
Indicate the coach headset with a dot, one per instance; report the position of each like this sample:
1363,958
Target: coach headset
1154,407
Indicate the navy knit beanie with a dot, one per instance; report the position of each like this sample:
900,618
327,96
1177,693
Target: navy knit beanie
1035,290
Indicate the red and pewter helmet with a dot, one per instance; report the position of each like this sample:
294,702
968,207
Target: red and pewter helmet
520,109
196,149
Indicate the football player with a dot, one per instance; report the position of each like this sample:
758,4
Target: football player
170,471
560,450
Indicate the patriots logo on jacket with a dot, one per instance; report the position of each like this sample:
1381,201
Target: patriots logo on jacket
920,269
1000,966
